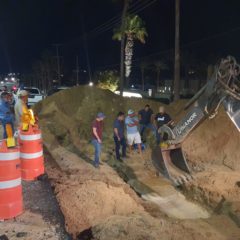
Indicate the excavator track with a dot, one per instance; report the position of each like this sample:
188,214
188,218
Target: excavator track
172,163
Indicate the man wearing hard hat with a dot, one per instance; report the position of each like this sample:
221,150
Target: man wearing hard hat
21,106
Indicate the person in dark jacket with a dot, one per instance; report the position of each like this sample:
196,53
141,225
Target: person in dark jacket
162,118
6,115
146,120
118,136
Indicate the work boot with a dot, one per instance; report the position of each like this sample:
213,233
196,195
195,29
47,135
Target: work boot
96,165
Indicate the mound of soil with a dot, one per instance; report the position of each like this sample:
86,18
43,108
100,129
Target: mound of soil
90,197
87,195
215,141
137,227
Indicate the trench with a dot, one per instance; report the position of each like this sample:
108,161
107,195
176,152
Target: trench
156,189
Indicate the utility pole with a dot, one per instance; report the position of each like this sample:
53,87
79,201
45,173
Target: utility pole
77,71
176,85
86,51
57,45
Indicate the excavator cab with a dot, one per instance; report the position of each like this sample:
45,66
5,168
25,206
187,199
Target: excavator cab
223,89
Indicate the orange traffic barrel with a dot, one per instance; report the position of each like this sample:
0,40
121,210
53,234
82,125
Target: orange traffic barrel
11,203
31,153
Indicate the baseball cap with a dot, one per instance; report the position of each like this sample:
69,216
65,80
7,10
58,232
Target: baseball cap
101,115
130,112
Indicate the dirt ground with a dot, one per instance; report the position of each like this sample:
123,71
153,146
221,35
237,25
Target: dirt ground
41,219
98,204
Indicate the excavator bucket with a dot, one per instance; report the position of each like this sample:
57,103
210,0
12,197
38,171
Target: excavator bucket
232,108
172,164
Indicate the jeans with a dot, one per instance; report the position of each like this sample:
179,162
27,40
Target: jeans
158,136
97,147
149,126
118,144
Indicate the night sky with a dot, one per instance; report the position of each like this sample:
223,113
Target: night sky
29,27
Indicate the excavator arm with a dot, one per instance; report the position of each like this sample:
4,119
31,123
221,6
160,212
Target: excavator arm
222,89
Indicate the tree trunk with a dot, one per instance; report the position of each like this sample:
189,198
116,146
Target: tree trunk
177,52
122,75
128,55
142,79
186,80
210,71
158,77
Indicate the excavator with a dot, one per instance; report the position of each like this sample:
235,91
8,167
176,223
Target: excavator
222,89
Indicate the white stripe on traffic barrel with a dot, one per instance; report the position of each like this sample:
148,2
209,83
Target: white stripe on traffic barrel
10,183
31,155
31,137
10,156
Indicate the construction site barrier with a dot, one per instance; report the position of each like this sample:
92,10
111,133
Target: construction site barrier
11,203
31,153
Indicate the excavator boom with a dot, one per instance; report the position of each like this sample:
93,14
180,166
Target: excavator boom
222,89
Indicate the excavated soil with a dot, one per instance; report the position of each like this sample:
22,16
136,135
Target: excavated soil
98,204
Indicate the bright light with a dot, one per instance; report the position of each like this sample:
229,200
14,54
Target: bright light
129,94
2,82
12,78
6,79
90,84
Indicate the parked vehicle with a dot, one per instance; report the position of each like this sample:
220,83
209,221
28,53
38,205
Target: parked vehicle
56,89
35,95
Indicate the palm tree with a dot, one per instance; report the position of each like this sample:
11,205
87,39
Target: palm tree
159,66
133,29
177,52
143,66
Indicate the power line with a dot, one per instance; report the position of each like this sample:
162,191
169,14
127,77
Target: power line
135,8
113,19
131,11
181,46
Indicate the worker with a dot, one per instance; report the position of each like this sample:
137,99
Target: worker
118,136
133,135
21,106
6,116
97,131
162,118
146,117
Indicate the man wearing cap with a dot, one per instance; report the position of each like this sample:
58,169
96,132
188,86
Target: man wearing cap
21,106
97,130
118,136
133,135
6,116
146,119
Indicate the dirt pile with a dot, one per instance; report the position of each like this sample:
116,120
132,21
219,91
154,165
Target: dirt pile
215,141
213,151
89,197
136,227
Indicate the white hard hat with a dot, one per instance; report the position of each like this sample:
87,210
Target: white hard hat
23,93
